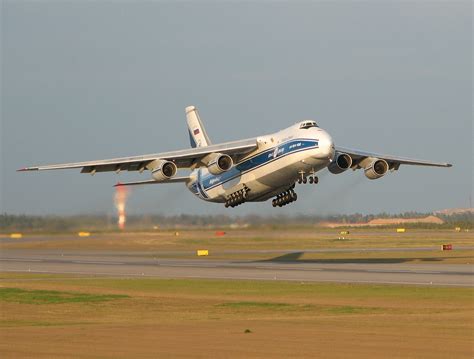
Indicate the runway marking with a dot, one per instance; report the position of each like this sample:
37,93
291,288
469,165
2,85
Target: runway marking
94,262
193,265
244,265
248,278
21,260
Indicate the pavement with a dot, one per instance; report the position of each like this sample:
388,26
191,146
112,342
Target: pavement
286,267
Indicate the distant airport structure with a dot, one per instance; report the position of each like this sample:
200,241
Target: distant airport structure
250,170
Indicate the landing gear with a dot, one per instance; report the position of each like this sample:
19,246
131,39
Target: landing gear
285,198
312,179
237,198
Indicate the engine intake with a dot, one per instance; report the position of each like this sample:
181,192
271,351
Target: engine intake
219,163
341,163
376,169
163,170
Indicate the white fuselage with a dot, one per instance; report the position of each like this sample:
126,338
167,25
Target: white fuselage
280,160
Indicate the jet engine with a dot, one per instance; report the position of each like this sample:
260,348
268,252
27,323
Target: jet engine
162,170
218,163
376,169
341,162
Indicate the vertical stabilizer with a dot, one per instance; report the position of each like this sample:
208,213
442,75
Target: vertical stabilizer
197,134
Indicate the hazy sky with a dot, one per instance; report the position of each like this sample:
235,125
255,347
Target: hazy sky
99,79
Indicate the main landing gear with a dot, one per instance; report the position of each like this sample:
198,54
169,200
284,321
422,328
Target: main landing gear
285,198
237,198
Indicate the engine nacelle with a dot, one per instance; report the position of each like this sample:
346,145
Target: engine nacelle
162,170
376,169
218,163
341,163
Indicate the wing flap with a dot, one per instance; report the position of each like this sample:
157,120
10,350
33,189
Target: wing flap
170,180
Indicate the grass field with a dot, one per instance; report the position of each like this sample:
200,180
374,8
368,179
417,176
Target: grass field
72,316
166,244
48,316
306,238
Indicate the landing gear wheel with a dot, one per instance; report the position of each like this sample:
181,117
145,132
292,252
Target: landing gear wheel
305,180
316,179
311,180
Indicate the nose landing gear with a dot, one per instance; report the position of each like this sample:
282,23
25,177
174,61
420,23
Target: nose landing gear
312,178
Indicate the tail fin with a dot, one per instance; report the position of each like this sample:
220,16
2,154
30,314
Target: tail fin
197,134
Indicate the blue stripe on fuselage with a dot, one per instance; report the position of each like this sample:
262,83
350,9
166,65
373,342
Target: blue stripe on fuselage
209,180
199,185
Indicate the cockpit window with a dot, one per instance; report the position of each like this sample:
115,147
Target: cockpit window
308,124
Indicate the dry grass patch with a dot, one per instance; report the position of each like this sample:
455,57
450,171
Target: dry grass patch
183,318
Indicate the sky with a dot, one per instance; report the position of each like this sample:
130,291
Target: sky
102,79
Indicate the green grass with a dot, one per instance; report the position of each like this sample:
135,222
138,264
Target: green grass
234,293
240,288
348,309
52,297
322,309
38,323
265,305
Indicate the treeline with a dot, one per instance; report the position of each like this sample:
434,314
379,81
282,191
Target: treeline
29,223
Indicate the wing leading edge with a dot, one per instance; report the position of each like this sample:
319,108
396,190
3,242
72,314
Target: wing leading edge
182,158
393,161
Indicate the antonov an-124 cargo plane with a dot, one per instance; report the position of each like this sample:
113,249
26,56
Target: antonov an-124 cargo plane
251,170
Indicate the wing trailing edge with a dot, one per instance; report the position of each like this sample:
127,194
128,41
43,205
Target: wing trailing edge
170,180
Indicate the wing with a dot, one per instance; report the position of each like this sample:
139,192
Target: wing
182,158
393,161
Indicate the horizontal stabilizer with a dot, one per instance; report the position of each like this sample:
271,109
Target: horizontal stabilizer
170,180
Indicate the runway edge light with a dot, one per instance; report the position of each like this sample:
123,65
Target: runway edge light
401,230
16,235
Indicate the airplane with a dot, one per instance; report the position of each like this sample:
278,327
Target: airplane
250,170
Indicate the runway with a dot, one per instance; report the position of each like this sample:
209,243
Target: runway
137,264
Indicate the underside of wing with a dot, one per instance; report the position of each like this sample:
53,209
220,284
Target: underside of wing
152,181
394,162
182,158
